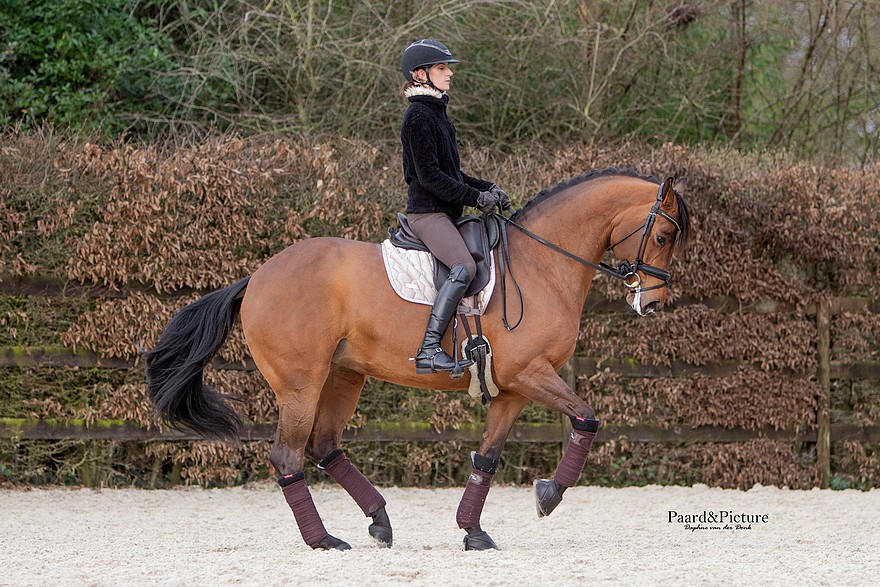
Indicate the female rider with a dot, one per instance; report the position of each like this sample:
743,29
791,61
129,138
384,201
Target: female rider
438,189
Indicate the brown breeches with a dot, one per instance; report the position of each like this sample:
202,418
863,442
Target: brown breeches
441,236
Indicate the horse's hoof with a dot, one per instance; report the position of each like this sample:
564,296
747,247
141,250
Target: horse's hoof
332,543
381,535
547,496
479,541
380,529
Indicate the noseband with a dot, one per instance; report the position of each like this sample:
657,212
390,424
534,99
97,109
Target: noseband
625,271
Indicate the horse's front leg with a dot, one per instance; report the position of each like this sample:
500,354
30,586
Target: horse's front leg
503,412
544,386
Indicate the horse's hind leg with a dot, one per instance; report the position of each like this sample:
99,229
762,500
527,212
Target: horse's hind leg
297,404
339,399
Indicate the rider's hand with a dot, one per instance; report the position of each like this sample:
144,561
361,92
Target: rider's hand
486,202
502,196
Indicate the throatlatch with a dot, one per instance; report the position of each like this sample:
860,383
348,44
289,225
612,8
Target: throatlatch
548,492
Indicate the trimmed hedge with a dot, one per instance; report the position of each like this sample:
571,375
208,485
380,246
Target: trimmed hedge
154,223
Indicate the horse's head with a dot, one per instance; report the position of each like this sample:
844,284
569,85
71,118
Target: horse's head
647,237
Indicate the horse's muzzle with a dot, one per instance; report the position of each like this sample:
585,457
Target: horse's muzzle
652,307
634,299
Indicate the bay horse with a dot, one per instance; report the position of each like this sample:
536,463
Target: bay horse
321,316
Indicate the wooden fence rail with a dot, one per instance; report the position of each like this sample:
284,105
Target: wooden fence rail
27,429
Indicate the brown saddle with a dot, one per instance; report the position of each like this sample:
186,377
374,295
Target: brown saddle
481,235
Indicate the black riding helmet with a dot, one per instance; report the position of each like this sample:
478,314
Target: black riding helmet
424,53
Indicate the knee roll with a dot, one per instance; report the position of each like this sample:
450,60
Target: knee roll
463,273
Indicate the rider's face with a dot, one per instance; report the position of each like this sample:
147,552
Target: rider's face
441,76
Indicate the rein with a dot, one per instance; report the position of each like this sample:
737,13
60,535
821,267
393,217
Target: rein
625,271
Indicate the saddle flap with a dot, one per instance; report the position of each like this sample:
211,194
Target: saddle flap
471,229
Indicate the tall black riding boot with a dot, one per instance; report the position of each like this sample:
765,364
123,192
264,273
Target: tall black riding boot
431,358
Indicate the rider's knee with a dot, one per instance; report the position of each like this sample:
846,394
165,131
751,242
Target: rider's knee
464,271
471,267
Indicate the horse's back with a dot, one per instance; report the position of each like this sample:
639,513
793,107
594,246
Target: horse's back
311,268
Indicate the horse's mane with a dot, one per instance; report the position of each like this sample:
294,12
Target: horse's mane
562,186
684,219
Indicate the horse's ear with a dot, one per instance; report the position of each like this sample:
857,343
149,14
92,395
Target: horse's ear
670,188
680,185
666,197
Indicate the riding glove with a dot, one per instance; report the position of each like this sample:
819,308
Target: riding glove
502,196
486,202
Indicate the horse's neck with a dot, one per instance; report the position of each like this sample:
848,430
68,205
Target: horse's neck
580,223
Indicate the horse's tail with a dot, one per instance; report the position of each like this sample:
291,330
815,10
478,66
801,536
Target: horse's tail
175,365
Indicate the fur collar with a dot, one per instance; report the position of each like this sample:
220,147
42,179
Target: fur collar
423,91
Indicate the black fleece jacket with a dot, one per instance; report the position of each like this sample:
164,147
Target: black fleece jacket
431,163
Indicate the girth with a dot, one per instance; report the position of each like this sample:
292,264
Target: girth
480,235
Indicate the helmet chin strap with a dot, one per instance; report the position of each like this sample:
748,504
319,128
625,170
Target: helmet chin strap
428,83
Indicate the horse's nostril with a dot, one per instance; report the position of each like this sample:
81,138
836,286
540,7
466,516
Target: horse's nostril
653,307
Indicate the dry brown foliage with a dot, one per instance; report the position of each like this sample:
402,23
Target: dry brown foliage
856,462
450,412
739,465
759,461
192,215
167,216
215,463
129,402
855,402
203,215
855,337
121,327
748,399
699,335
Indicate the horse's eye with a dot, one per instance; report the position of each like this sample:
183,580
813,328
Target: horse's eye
661,240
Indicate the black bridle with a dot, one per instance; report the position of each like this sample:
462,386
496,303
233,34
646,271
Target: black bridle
625,271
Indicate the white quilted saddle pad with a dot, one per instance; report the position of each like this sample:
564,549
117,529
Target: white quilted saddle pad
411,274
